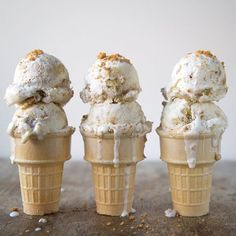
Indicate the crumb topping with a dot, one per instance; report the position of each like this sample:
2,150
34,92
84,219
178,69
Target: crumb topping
203,52
112,57
34,54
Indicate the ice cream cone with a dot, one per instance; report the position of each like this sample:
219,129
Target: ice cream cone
113,183
40,164
190,187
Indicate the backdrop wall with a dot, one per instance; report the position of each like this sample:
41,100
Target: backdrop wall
153,34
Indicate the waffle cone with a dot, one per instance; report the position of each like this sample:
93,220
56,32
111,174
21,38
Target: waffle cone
114,185
40,164
190,187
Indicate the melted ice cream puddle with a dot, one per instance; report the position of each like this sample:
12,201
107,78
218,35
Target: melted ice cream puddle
170,213
126,192
14,214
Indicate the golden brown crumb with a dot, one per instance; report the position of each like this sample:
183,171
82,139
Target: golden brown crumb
206,53
28,102
108,223
131,217
34,54
14,209
142,221
140,226
112,57
101,55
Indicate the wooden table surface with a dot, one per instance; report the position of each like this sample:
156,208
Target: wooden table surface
77,215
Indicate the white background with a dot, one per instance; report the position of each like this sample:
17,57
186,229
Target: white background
153,34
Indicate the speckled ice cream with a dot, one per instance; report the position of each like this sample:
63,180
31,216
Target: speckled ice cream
39,77
198,76
183,117
111,79
126,118
38,120
198,79
40,88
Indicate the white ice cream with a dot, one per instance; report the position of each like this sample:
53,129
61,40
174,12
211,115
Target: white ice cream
38,120
198,76
117,119
183,117
111,79
39,77
125,118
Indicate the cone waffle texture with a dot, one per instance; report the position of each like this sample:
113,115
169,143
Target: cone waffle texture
40,187
190,188
114,185
40,164
114,188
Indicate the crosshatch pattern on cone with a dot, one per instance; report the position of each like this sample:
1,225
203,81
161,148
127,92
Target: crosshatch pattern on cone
114,187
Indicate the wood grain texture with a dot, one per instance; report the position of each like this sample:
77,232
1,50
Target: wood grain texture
77,215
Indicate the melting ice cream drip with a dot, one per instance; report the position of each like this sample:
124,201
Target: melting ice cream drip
99,148
126,192
116,159
191,147
133,149
12,157
216,143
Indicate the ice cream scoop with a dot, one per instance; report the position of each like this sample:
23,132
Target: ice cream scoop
125,118
111,79
198,76
38,120
183,117
39,77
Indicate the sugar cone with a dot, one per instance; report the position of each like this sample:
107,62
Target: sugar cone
114,185
40,164
190,187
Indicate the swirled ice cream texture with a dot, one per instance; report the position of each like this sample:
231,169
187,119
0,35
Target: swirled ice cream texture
39,77
183,117
125,118
38,120
186,118
198,76
112,79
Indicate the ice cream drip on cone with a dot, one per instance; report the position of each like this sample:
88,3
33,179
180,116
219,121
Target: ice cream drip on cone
191,129
40,135
114,131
